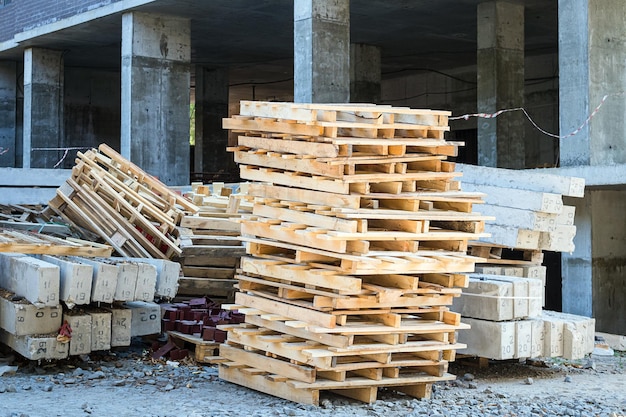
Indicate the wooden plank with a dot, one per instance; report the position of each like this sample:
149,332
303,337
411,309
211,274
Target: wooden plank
287,310
280,161
302,273
296,147
311,219
267,386
293,180
305,196
240,123
268,364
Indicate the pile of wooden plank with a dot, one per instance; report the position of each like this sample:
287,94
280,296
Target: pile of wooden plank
504,299
357,246
210,241
130,210
52,307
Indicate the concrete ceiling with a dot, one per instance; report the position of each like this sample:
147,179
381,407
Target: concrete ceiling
254,38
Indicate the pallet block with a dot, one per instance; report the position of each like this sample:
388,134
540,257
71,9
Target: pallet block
203,351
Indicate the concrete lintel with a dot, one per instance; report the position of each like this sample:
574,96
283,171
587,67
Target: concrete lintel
594,175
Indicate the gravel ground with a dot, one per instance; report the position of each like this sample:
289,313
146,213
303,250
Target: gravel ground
124,383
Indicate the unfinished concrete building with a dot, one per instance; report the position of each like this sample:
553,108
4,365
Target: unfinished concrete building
130,73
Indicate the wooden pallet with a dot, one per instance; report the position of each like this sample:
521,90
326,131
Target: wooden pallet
498,254
133,212
37,243
202,350
359,388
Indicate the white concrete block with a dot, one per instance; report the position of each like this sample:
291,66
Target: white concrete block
486,299
104,280
566,217
126,281
100,330
22,318
521,199
538,338
523,339
121,319
553,337
168,273
36,280
578,333
146,282
146,318
489,339
36,347
80,323
560,240
534,180
521,219
511,237
75,279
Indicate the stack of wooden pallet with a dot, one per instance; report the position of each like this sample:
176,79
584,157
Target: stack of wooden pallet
130,210
504,300
210,240
357,246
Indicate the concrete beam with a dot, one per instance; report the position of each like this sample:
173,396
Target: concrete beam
80,323
31,278
146,318
321,51
156,54
75,281
500,66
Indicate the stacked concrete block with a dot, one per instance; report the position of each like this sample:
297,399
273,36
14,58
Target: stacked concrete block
36,347
100,329
35,280
145,318
500,298
75,280
550,334
22,318
81,325
121,319
167,275
104,280
527,206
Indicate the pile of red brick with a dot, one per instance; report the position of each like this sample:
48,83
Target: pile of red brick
199,317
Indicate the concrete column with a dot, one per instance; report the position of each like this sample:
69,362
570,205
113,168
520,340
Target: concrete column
321,51
211,107
365,76
156,52
592,63
8,113
43,107
500,61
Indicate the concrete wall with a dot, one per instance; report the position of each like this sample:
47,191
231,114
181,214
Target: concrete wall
609,260
92,109
457,93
